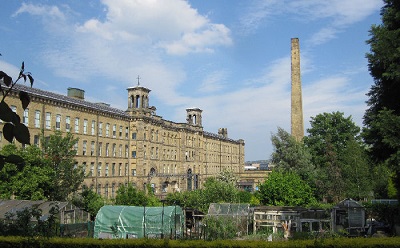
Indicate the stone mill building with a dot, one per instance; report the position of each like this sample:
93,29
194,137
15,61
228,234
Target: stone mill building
135,145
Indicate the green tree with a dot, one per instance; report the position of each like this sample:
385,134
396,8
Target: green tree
356,172
89,201
330,132
49,173
31,181
59,154
381,119
129,195
331,137
285,189
220,189
292,156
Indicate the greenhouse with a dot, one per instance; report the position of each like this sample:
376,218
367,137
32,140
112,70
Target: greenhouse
138,222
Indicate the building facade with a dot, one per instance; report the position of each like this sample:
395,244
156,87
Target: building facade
117,147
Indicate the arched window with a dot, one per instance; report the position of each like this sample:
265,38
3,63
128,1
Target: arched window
152,172
189,179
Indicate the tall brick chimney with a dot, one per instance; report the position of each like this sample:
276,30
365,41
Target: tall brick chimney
297,123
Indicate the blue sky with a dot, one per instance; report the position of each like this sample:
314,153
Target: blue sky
230,58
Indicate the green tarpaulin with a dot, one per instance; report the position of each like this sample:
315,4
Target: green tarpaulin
138,222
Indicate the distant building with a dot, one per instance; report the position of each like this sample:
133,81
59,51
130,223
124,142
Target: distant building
135,145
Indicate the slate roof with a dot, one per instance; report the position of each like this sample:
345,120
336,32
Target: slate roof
62,98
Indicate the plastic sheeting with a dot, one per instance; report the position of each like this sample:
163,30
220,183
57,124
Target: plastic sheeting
138,222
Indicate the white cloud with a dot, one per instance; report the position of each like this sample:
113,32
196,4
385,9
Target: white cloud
214,81
338,13
52,12
170,25
9,69
323,35
133,38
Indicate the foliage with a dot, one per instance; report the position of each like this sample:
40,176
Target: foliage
335,144
220,189
13,128
292,156
285,189
356,172
330,132
159,243
130,196
59,153
29,222
382,119
89,201
49,174
218,227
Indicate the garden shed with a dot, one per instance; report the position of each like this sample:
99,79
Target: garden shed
272,219
68,213
138,222
238,213
348,215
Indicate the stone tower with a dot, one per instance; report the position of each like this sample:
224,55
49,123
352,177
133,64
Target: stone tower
193,116
297,123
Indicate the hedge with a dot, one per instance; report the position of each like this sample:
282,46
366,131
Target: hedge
22,242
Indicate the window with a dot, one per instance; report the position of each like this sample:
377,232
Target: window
58,122
99,189
133,172
126,169
67,124
120,151
92,148
93,127
91,169
36,140
76,148
120,169
112,190
107,147
114,131
113,169
85,123
99,170
126,133
100,129
100,148
133,154
144,152
114,150
37,118
126,151
48,120
84,168
106,191
107,129
133,136
25,119
106,173
120,132
84,148
77,125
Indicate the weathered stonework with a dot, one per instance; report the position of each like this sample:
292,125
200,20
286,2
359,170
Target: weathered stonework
136,146
297,124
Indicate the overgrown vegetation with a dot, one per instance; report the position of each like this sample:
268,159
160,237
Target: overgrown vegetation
49,172
29,222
